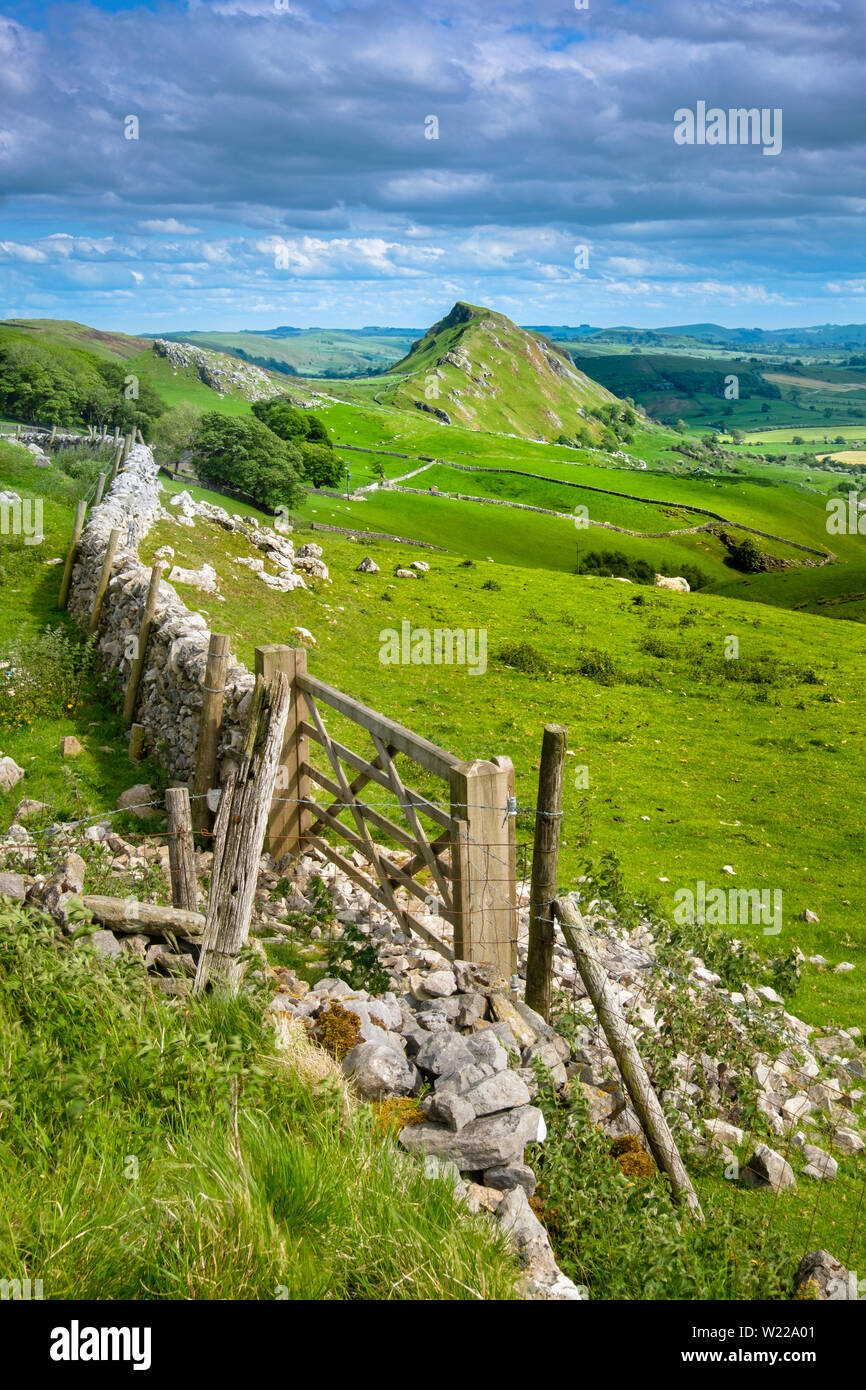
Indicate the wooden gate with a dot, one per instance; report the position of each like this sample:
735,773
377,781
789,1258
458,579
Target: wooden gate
461,858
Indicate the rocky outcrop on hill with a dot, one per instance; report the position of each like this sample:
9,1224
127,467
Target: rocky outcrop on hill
228,376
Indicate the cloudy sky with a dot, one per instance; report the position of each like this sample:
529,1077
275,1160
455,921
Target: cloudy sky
248,163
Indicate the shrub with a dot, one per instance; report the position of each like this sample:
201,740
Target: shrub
44,676
522,656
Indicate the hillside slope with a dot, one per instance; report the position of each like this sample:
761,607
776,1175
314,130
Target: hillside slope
478,369
65,333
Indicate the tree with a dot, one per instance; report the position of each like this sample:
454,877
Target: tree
175,432
248,456
319,462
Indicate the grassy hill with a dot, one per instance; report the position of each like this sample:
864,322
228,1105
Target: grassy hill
65,333
485,373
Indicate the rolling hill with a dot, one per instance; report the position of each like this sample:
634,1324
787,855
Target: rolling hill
478,369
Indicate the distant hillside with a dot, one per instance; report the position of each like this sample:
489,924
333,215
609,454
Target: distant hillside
834,338
67,333
310,352
478,369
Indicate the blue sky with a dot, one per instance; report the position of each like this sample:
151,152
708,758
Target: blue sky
282,171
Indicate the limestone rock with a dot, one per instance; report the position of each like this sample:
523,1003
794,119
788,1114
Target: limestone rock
511,1175
10,774
821,1276
13,886
137,799
488,1142
766,1168
544,1278
368,566
380,1071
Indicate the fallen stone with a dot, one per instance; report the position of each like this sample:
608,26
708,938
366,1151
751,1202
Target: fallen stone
821,1276
544,1279
368,566
10,774
766,1168
136,799
13,886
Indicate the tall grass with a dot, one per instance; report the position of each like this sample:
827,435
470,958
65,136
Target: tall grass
155,1148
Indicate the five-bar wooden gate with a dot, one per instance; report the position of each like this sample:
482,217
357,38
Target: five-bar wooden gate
465,853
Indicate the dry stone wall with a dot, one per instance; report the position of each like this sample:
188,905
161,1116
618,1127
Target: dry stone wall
170,695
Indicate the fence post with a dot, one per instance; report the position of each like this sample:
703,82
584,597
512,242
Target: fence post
240,829
115,463
289,820
100,489
77,528
136,740
104,577
545,857
483,859
137,669
181,857
628,1059
127,445
213,692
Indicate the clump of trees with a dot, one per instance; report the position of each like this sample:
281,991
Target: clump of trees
246,455
53,385
304,430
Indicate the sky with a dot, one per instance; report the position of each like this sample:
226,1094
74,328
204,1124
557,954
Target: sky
253,163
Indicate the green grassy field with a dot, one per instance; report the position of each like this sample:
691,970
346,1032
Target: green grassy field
714,754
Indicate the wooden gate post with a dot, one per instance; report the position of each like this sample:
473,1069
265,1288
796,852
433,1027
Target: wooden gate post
181,857
77,528
483,855
289,820
545,857
105,575
213,694
239,833
137,669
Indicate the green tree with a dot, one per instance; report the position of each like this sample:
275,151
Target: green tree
246,455
175,432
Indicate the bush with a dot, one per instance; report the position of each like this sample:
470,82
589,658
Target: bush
522,656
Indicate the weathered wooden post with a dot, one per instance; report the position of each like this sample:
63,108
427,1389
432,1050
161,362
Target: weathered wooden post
100,489
115,463
127,445
483,849
545,857
17,431
105,575
289,819
137,669
53,433
240,830
213,695
181,857
136,740
77,528
628,1059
